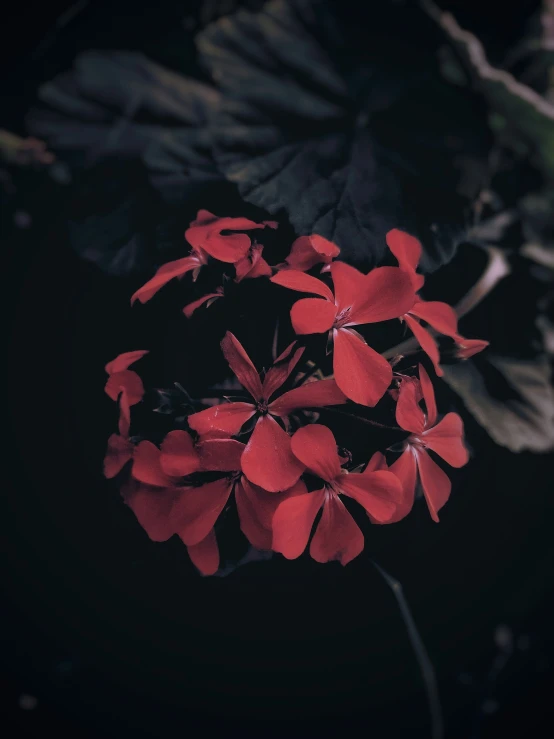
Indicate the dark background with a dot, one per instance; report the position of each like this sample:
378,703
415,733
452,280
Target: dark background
108,634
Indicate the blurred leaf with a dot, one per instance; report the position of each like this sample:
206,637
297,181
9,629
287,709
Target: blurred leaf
126,125
120,104
313,116
518,108
515,404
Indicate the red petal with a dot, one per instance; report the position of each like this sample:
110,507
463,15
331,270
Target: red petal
255,508
380,493
166,272
337,535
220,455
199,509
407,250
428,396
178,455
118,453
312,316
147,467
315,394
466,348
206,233
307,251
252,265
281,369
435,483
295,280
189,309
409,415
446,439
127,382
268,460
124,361
293,521
264,504
388,293
349,285
152,508
230,248
362,374
316,448
405,469
227,418
205,554
440,316
242,366
426,342
203,218
377,462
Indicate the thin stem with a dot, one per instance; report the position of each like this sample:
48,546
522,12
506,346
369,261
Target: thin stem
61,22
329,409
301,379
425,664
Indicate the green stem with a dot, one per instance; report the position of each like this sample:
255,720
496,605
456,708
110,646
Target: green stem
425,664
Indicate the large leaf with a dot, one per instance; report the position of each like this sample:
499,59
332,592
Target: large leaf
116,103
337,125
126,125
513,399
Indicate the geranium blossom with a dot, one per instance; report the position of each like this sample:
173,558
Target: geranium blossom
124,385
267,460
252,265
207,238
337,535
307,251
444,438
440,316
156,494
203,504
386,292
165,505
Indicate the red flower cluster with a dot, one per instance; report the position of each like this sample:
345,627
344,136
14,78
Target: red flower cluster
269,452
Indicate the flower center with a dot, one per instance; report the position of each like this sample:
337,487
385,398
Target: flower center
262,407
414,440
341,318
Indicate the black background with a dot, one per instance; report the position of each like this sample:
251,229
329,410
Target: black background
115,635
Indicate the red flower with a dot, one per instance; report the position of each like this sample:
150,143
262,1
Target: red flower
207,239
205,503
125,386
165,507
252,265
445,438
155,494
154,490
407,250
386,292
176,457
307,251
439,316
337,536
267,460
